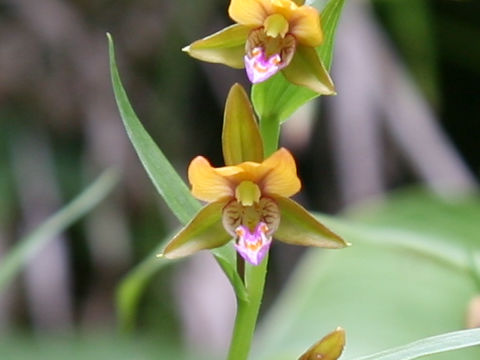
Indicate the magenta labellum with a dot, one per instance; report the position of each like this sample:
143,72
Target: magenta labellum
253,246
259,68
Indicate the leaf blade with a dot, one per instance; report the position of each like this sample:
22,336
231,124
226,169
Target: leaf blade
13,262
428,346
162,174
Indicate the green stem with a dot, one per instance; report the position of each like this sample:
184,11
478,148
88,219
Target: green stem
247,311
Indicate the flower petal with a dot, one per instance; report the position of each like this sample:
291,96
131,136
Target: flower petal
250,12
278,174
307,70
265,56
305,25
210,184
299,227
241,140
329,347
225,47
253,245
259,67
204,231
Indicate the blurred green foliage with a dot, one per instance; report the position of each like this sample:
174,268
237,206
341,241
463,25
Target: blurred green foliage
390,288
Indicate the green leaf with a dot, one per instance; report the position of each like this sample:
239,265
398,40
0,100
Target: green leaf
277,99
15,259
173,190
166,180
432,345
409,274
329,17
241,140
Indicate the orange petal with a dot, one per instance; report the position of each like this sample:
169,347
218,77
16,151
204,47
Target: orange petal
305,25
278,174
250,12
210,184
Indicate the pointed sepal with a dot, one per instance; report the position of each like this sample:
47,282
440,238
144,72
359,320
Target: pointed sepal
226,46
328,348
204,231
299,227
307,70
241,138
299,2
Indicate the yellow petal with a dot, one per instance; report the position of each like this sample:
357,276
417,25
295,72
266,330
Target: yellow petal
250,12
305,25
210,184
278,174
226,46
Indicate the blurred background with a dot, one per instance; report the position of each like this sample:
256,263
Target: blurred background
407,115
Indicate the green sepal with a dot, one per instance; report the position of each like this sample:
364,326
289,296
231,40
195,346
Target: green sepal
204,231
226,46
299,227
241,140
329,347
299,2
306,69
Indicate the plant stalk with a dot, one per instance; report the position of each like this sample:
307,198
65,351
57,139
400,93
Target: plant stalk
247,311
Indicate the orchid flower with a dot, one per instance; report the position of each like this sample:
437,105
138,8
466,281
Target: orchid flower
270,36
248,201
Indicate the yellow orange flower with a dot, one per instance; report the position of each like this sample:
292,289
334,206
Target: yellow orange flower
248,200
269,36
276,176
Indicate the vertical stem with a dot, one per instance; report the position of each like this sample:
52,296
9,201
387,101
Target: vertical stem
247,311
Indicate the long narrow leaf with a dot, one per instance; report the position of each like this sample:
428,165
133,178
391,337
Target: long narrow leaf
330,17
175,193
166,180
14,261
432,345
